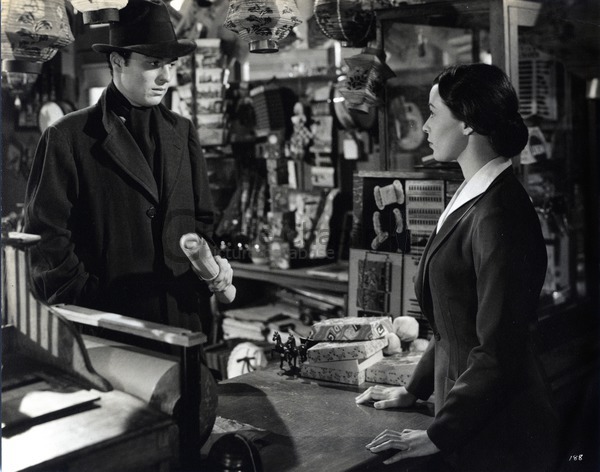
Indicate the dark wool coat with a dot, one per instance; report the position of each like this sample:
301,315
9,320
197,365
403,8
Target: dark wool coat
478,284
110,232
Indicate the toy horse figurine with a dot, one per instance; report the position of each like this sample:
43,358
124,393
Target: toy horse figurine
291,352
279,348
302,349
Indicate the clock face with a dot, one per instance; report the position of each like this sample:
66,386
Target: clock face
48,114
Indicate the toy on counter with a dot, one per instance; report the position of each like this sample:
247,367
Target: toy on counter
197,251
289,352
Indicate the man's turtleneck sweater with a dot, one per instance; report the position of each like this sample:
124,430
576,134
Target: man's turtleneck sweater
142,123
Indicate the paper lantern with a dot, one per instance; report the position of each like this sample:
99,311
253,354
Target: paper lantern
364,85
262,23
345,21
99,11
32,32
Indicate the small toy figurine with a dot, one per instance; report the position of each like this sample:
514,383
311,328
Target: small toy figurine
279,348
289,352
302,349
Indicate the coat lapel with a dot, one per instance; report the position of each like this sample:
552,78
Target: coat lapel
123,150
171,152
449,226
433,244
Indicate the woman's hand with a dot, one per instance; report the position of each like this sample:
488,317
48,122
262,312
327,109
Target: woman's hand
225,277
410,442
387,397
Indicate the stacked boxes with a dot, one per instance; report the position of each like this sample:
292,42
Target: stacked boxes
396,369
346,348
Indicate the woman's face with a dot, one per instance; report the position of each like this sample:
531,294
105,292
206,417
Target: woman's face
445,133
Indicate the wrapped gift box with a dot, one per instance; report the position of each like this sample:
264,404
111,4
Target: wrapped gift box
350,371
339,351
351,329
396,369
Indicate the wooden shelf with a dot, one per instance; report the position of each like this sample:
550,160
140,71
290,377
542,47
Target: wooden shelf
288,277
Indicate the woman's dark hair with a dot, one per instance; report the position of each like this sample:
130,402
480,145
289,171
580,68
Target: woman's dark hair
483,97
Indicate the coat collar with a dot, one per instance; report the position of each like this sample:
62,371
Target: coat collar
123,150
477,185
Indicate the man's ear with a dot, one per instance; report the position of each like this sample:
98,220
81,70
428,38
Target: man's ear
467,130
116,59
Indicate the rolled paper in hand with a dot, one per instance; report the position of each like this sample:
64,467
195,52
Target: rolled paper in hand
197,251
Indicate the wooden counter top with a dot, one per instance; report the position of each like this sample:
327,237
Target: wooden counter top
312,425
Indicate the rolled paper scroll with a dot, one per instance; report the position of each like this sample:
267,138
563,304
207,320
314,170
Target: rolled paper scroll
197,251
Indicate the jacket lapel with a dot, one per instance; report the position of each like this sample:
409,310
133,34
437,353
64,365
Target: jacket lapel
123,150
433,244
448,227
171,154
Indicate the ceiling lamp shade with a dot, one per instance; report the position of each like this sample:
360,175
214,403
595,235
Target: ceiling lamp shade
366,79
262,23
345,21
32,32
99,11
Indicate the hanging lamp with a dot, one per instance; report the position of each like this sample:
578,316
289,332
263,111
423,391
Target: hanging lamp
364,85
99,11
345,21
32,32
262,23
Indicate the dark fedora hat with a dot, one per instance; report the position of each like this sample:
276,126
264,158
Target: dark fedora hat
145,27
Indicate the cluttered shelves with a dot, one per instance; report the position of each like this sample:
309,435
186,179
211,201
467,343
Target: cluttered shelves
331,277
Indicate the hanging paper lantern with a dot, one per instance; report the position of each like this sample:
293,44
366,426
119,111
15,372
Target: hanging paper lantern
345,21
262,23
99,11
32,32
366,79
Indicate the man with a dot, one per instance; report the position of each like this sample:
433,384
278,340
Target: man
114,186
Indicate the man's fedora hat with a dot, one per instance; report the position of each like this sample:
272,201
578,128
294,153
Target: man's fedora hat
145,27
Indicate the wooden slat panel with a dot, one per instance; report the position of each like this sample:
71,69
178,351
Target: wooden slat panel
124,324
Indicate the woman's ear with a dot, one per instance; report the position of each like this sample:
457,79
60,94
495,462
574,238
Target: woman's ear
467,130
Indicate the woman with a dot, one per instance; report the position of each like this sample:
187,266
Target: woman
478,285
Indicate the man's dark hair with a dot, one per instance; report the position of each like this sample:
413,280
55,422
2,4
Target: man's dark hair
124,54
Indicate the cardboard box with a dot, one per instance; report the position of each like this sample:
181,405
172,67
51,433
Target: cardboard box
339,351
396,369
351,329
351,371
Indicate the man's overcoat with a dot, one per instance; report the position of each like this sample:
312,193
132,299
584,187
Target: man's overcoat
110,228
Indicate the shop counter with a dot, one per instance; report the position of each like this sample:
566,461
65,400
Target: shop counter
301,424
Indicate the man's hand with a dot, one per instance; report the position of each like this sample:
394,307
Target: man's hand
387,397
224,278
410,442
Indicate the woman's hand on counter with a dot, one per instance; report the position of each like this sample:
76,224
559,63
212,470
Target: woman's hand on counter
387,397
410,442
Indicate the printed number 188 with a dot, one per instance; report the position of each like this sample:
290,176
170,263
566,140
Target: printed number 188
576,458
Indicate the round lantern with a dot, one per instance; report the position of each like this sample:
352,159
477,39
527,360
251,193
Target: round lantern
262,23
99,11
32,32
365,81
345,21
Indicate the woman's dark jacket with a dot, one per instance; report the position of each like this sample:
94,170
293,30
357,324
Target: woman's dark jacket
478,284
